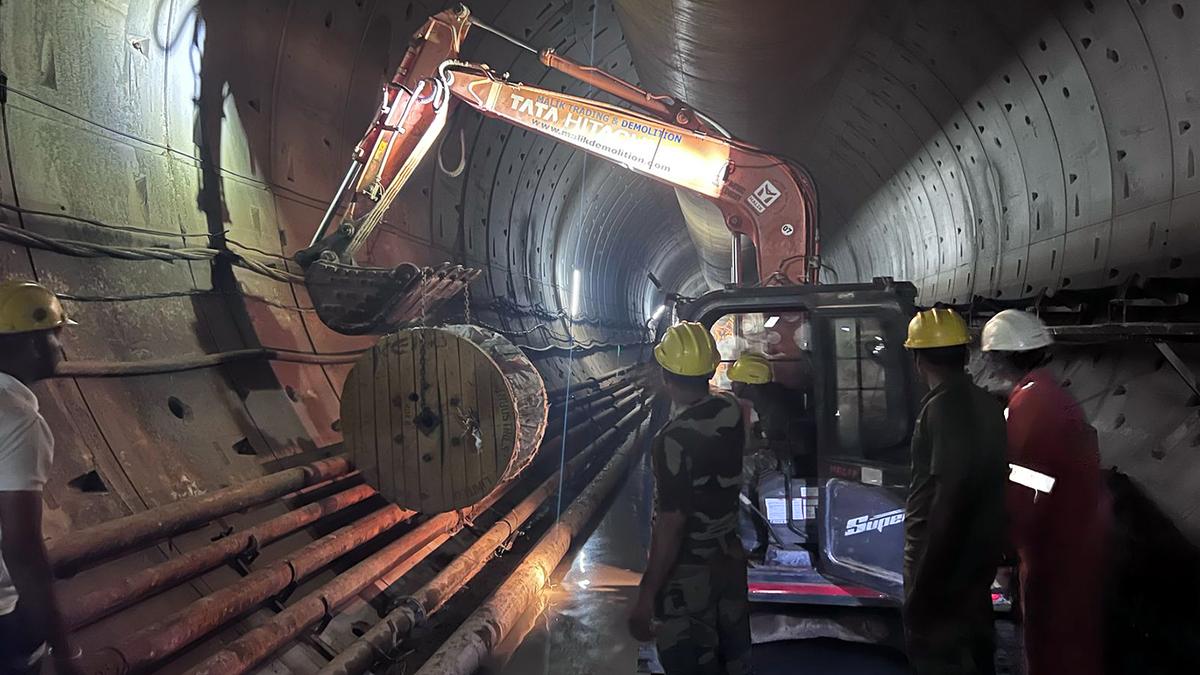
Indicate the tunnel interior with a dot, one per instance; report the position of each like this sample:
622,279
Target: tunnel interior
1031,154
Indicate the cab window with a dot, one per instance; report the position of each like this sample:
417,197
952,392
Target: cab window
870,408
785,339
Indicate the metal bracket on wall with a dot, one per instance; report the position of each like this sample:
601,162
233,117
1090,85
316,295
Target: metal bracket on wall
1185,373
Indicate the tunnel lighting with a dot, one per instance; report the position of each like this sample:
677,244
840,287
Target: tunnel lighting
658,312
771,322
576,281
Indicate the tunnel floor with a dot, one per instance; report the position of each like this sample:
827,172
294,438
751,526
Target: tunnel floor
582,629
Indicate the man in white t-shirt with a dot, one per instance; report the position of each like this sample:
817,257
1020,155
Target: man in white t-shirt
31,318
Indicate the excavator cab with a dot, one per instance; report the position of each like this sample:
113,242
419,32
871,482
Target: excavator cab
824,516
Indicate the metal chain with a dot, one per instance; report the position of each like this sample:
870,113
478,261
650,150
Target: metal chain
467,302
424,293
425,276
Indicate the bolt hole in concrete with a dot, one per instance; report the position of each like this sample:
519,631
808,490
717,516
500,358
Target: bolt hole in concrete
88,482
178,408
244,447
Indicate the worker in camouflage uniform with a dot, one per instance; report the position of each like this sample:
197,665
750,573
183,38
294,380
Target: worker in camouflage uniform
695,579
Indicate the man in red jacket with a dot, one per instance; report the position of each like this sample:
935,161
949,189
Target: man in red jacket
1059,528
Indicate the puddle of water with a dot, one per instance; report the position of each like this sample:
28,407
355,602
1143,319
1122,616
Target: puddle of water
583,630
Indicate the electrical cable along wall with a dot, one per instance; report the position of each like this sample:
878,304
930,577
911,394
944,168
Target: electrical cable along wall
1040,152
162,162
135,130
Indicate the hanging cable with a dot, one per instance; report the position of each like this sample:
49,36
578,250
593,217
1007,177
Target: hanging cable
194,292
186,363
87,249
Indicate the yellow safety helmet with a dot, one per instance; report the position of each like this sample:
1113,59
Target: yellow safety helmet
937,328
688,349
26,307
751,368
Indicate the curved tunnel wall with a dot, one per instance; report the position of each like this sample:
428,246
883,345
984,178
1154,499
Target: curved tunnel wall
114,107
1006,154
980,150
975,149
216,122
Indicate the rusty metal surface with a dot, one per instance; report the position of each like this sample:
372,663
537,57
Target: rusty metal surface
96,602
467,648
404,553
929,132
150,645
394,628
113,537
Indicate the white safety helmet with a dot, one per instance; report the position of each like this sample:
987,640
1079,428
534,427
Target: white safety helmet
1015,331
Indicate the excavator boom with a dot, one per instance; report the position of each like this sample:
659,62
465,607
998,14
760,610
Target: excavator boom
763,197
760,196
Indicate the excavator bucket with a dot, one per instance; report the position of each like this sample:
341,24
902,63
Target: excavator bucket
359,300
354,300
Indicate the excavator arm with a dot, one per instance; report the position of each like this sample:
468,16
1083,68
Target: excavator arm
760,196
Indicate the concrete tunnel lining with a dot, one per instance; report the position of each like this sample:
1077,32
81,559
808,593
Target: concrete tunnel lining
977,152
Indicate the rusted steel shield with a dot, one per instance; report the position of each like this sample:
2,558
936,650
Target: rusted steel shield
436,418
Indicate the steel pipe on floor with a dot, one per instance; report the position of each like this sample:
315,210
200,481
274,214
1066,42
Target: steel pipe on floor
156,642
616,390
600,399
385,636
468,647
77,550
612,410
592,382
105,599
152,644
255,646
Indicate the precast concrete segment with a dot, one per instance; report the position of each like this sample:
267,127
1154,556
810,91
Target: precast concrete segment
974,149
231,119
468,647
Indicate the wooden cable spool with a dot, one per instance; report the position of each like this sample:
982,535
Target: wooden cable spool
436,418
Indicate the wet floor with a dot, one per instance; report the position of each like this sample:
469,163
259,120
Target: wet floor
582,630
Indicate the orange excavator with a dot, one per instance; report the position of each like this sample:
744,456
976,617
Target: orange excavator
760,196
831,489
